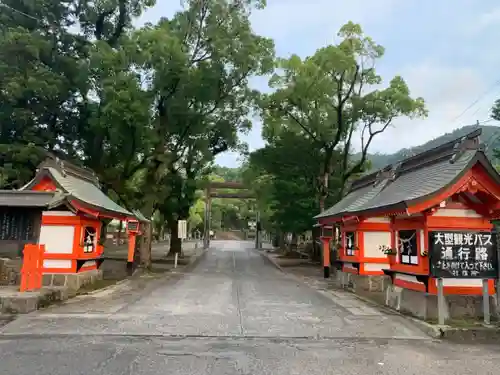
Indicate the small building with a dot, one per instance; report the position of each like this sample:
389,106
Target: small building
424,219
68,214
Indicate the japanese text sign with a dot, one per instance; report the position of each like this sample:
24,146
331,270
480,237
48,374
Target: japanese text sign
463,255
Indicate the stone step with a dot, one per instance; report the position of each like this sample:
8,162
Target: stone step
14,302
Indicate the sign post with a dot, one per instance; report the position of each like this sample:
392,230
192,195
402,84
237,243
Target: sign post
441,302
486,302
463,255
182,229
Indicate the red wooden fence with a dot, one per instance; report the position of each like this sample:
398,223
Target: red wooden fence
31,271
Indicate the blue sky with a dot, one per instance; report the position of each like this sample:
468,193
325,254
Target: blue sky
446,50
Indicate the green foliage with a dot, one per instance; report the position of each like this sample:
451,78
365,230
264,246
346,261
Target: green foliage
147,109
331,97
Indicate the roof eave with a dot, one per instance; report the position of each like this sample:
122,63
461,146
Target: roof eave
106,212
372,212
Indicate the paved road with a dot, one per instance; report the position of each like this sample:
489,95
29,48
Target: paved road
233,314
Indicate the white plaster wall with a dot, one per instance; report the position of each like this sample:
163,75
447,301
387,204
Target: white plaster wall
58,239
56,263
446,282
378,220
375,266
372,241
58,213
456,212
350,266
409,278
463,282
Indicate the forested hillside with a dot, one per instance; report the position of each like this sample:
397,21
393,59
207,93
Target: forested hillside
490,136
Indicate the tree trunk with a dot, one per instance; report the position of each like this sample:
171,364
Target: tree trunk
293,242
175,241
324,192
161,233
145,247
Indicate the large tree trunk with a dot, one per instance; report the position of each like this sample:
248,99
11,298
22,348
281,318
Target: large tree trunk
145,247
175,241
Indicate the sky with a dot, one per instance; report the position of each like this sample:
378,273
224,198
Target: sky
447,51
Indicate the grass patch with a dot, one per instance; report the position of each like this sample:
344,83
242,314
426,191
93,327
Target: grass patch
99,284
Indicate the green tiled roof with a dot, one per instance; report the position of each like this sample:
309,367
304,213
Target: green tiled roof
138,214
86,192
351,201
417,177
420,182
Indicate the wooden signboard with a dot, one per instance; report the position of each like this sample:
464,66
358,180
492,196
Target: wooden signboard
463,255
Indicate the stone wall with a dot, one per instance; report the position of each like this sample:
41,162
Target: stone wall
10,271
425,306
73,281
371,286
368,283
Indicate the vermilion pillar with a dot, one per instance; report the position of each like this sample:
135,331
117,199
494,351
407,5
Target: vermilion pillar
326,256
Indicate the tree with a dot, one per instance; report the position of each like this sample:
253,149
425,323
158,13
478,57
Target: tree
39,78
292,166
73,94
331,97
197,66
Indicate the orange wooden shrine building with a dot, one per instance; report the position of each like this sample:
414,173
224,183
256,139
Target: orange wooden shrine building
74,212
436,204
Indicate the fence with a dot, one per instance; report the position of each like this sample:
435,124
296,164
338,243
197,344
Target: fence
31,271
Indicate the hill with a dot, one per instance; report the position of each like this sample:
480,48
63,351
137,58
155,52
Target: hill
490,136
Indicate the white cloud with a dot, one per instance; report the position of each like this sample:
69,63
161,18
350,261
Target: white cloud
448,91
450,61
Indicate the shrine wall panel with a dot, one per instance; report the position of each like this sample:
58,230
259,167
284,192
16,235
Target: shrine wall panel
378,220
58,239
57,263
372,243
456,212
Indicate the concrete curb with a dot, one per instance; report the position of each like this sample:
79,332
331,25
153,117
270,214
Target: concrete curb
486,334
193,263
271,260
140,271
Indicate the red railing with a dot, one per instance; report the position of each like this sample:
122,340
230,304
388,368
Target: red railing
31,271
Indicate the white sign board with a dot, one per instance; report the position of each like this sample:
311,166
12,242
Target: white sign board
182,229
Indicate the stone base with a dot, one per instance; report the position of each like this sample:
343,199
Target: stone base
73,281
14,302
10,271
362,283
424,305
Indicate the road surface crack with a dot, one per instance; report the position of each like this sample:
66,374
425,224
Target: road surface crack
238,304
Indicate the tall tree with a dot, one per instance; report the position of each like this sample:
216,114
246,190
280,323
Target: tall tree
331,97
198,64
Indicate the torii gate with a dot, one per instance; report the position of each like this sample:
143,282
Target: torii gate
211,192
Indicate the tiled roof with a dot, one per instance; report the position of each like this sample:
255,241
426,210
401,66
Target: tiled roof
79,183
27,198
417,177
138,214
419,183
86,192
351,201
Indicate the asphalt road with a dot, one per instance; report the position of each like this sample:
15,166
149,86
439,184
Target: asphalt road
232,314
